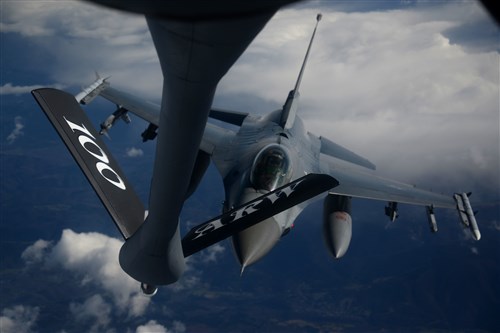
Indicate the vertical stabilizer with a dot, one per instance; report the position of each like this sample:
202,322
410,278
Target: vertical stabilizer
290,108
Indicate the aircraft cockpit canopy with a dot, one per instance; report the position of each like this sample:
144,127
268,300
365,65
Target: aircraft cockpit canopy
271,168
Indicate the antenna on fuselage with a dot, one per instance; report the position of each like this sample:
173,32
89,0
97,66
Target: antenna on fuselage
290,108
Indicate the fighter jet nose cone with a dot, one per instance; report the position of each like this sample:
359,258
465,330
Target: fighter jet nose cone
255,242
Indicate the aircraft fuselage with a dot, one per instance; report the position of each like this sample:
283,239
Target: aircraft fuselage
267,157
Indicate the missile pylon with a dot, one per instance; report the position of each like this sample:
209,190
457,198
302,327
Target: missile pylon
432,218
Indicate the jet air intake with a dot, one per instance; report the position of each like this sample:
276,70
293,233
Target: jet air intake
337,224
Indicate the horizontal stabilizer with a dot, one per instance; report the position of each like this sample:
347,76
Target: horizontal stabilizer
335,150
255,211
93,157
230,117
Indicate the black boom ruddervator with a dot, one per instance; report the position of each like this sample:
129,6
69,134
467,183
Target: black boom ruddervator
123,204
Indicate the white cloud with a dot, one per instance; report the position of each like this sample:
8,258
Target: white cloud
467,235
17,131
95,310
72,18
389,78
212,253
178,327
195,266
186,282
134,152
92,36
18,319
36,253
9,89
93,257
393,86
496,225
152,326
388,85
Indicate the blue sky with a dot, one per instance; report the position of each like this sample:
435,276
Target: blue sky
412,86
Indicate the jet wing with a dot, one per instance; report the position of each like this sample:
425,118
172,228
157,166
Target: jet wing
213,136
355,182
148,111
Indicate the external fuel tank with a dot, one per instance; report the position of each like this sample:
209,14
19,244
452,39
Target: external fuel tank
337,224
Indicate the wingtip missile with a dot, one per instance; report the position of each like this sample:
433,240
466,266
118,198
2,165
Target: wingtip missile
466,214
88,94
476,234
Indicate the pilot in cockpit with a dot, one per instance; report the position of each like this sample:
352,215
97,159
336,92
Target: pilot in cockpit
271,168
